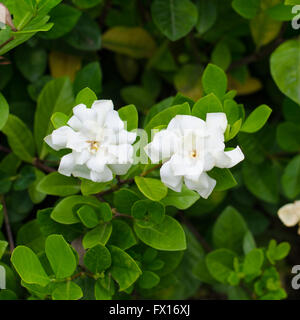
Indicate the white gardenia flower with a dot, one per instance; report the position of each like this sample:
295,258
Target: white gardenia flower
100,145
289,214
190,147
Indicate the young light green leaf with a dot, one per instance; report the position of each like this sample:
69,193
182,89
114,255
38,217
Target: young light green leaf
66,291
257,119
28,266
153,189
4,111
214,80
19,138
60,255
174,18
123,269
58,185
207,104
99,235
89,76
167,235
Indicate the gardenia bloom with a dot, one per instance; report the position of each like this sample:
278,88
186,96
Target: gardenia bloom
289,214
192,147
100,144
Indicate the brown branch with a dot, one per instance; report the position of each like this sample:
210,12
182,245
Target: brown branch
7,226
39,164
6,42
118,214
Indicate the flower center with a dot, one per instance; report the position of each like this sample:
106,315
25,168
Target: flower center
94,145
193,154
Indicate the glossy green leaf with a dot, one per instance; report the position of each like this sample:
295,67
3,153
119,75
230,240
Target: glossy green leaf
151,188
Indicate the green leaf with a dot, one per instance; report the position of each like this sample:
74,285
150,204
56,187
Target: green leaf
104,288
134,42
221,55
263,28
4,111
89,76
86,96
123,269
165,116
122,235
207,104
139,96
88,216
207,15
58,185
45,6
181,200
246,8
174,18
277,252
253,262
97,259
60,255
99,235
225,179
291,178
151,188
129,115
288,136
167,235
214,80
262,180
85,35
66,291
59,119
28,266
65,211
148,280
248,242
89,187
124,200
36,196
35,64
3,246
56,96
229,230
257,119
64,18
19,138
25,178
220,264
281,12
86,4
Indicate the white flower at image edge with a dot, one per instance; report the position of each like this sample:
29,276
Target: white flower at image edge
100,145
289,214
192,147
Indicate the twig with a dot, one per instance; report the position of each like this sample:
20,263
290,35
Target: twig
6,42
40,165
7,226
104,12
118,214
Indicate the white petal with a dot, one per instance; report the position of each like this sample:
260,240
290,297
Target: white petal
204,186
82,157
163,146
102,107
236,155
67,164
76,142
186,122
113,121
229,159
75,123
216,121
82,172
59,138
182,166
83,113
125,137
289,215
169,179
96,163
120,169
104,176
